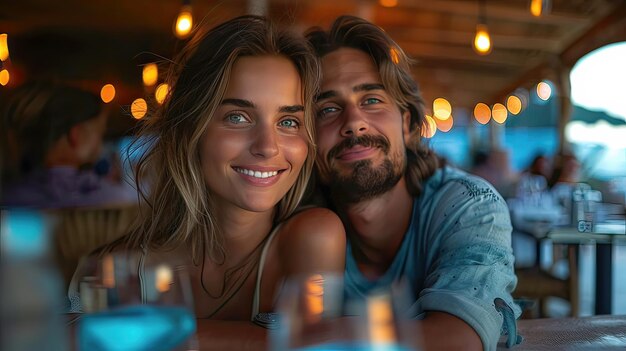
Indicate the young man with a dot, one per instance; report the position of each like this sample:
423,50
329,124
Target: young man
405,214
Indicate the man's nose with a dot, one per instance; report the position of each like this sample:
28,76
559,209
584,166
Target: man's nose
265,141
355,122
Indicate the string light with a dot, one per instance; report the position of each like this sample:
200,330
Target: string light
107,93
138,108
482,40
150,74
539,7
5,77
184,21
4,47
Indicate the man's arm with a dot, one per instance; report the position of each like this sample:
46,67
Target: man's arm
470,261
447,332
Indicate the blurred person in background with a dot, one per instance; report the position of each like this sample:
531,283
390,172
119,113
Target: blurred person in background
540,165
55,135
566,170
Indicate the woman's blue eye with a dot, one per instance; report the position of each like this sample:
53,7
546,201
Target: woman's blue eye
289,123
236,118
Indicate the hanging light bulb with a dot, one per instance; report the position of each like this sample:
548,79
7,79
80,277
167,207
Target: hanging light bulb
4,47
184,21
539,7
482,40
150,74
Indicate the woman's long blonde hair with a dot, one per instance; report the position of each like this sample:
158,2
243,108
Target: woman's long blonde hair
177,206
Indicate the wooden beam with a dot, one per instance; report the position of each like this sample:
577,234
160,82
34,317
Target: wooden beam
466,54
494,9
429,35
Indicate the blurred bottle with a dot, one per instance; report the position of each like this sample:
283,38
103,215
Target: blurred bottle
32,301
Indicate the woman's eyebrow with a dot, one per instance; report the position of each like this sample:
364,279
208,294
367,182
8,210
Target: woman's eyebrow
291,109
238,102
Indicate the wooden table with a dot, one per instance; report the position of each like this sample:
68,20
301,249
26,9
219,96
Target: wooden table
584,333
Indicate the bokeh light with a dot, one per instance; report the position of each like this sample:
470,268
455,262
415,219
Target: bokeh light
150,74
482,113
161,92
107,93
544,91
442,108
499,113
139,108
445,125
514,104
430,127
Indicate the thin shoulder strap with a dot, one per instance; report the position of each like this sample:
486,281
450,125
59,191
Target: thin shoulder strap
259,274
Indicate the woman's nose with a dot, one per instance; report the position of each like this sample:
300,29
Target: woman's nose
265,143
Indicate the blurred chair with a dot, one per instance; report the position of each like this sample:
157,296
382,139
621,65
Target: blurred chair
79,231
536,284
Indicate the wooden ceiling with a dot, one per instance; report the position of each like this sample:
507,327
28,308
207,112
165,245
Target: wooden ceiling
100,41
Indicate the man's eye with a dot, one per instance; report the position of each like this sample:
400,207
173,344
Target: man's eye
371,101
289,123
236,118
326,110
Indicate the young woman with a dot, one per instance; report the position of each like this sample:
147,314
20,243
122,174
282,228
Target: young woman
230,155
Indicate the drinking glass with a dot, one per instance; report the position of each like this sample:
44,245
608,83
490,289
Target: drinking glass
312,316
132,305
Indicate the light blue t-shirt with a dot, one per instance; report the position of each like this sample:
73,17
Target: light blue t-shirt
456,256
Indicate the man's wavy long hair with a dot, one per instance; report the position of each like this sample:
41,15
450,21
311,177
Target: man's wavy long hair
394,68
178,206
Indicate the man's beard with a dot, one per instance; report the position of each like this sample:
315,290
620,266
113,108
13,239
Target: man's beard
365,181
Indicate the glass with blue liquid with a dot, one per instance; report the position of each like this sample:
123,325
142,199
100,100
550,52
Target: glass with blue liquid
132,305
314,316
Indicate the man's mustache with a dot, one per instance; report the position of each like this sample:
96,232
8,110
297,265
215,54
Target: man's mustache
363,140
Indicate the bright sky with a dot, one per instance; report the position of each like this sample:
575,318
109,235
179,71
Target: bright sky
599,80
599,84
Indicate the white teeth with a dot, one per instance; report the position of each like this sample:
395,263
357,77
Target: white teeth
256,174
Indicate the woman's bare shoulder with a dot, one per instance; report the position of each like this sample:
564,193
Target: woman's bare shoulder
312,240
315,220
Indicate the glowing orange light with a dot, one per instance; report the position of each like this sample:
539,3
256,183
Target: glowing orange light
314,297
536,7
430,127
482,41
395,57
184,22
5,77
445,125
514,104
4,47
388,3
138,108
482,113
499,113
381,321
150,74
442,109
161,92
107,93
163,278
